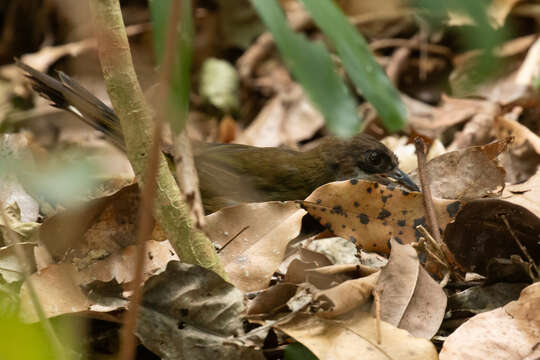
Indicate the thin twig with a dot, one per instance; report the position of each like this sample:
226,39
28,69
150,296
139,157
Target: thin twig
431,217
127,350
377,299
21,258
520,245
231,240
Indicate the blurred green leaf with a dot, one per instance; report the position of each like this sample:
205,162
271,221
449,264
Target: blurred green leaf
297,351
178,102
20,341
219,84
59,181
239,23
359,62
312,67
482,36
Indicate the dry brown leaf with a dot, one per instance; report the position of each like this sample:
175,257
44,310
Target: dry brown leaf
271,299
369,214
410,298
260,233
354,337
452,111
510,332
286,119
59,286
96,229
329,276
346,296
295,266
469,173
507,126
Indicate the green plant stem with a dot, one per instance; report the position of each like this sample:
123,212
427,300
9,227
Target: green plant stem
170,211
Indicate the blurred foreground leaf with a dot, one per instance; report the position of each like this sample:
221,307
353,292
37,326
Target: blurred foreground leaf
63,178
312,67
20,341
481,36
219,84
181,77
359,62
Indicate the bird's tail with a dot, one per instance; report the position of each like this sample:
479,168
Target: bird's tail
69,95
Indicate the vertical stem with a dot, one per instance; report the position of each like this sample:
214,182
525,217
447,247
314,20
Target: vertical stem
170,211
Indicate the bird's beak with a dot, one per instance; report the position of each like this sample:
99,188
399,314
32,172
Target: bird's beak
402,179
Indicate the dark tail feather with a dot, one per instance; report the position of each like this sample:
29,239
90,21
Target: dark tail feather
69,95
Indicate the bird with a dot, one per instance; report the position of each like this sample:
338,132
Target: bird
230,174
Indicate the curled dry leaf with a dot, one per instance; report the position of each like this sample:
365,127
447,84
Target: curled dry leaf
369,214
329,276
410,298
479,233
59,285
271,299
469,173
345,297
510,332
355,336
256,235
507,125
295,265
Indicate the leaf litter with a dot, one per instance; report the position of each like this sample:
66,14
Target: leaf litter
291,281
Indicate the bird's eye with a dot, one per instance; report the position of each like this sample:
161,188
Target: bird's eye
375,158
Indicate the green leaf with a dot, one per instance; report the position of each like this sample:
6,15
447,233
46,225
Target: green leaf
178,102
481,36
359,62
312,67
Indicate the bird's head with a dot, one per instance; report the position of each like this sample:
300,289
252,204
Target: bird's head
364,157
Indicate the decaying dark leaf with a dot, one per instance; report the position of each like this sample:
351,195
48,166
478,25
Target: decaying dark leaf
479,233
190,312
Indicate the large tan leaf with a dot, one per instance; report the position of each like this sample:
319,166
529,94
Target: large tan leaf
262,232
507,333
369,214
410,298
356,338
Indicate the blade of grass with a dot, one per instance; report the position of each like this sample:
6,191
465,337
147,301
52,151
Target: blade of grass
311,65
181,76
359,62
